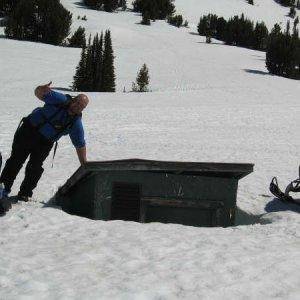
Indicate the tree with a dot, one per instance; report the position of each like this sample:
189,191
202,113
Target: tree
7,6
39,20
295,29
110,5
95,71
92,3
146,18
99,64
176,20
207,26
123,4
79,80
221,29
260,36
158,9
142,80
251,2
106,5
108,77
282,57
286,2
78,38
22,23
292,12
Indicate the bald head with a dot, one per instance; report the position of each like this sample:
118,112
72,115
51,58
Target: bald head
78,104
83,99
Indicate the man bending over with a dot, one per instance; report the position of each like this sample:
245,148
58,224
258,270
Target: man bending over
60,115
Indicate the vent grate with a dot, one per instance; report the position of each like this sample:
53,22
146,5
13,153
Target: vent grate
125,201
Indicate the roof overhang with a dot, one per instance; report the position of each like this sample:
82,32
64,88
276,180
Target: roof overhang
226,170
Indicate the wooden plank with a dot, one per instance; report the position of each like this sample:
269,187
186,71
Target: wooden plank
236,170
205,204
215,206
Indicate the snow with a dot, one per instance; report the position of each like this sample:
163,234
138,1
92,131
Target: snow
267,11
208,103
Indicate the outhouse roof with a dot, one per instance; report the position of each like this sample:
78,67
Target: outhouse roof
227,170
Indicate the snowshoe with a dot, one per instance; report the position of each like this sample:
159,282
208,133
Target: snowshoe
277,192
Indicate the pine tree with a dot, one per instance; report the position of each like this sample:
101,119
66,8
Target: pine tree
110,5
142,80
295,29
22,23
79,81
146,18
207,26
260,36
91,3
282,57
90,64
7,6
123,4
108,72
221,28
158,9
95,71
40,21
176,20
99,64
292,12
78,38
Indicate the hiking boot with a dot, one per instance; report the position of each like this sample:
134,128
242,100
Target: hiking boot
23,198
5,205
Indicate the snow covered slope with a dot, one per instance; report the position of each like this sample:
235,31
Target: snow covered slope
209,103
263,10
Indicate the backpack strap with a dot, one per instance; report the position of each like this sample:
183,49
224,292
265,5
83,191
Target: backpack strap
67,126
54,152
60,107
48,120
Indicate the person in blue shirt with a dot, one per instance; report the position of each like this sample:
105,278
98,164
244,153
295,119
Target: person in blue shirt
60,115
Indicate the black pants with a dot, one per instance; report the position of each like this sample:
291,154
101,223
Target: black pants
27,142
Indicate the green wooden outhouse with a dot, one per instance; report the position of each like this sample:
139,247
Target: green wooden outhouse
189,193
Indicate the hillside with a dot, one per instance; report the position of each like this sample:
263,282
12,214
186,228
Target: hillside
208,103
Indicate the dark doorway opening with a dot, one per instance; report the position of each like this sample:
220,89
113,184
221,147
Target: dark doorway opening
126,201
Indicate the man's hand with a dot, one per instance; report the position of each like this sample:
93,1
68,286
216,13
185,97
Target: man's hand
42,90
81,153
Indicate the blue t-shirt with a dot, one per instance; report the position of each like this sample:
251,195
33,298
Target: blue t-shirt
58,117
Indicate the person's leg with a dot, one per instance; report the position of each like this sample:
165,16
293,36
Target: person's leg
19,153
34,168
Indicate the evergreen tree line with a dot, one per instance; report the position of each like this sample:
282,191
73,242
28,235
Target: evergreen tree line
36,20
106,5
291,3
154,9
95,71
283,52
238,31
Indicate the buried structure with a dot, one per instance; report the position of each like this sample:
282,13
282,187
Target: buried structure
189,193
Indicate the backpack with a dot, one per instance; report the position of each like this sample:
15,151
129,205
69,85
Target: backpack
58,127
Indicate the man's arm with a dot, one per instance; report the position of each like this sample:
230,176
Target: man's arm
81,153
42,90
